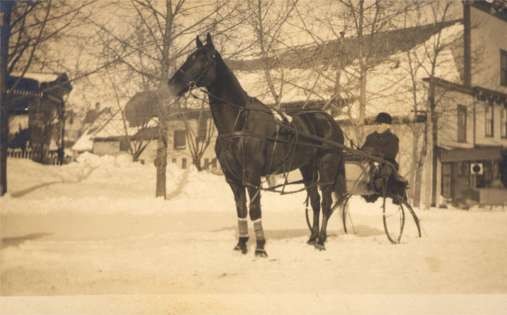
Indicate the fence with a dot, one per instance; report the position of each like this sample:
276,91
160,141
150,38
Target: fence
207,164
52,158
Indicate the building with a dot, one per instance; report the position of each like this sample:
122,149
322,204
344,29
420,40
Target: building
36,114
470,141
106,133
190,134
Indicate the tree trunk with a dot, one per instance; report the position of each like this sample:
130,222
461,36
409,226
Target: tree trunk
434,161
61,148
161,160
197,163
420,158
430,152
5,20
362,104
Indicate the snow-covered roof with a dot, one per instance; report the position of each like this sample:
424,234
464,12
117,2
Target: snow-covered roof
389,86
345,50
84,143
106,126
42,77
114,126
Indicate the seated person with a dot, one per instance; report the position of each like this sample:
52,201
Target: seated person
384,144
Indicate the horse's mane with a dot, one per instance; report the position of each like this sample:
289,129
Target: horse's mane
223,70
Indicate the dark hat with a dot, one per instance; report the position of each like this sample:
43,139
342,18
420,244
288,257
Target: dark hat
383,118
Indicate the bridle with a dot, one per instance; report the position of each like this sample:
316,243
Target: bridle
210,62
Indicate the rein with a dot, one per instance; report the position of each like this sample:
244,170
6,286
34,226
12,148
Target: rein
331,143
322,143
293,143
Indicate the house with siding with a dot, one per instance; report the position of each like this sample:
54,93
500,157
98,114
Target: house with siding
36,109
468,163
189,132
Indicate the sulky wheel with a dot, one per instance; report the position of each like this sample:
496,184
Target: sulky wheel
406,205
393,217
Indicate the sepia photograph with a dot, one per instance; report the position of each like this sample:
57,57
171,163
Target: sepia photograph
230,157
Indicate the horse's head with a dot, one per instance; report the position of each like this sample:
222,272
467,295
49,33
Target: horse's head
199,69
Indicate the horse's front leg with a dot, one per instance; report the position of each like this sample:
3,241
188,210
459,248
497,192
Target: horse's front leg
256,216
240,198
309,178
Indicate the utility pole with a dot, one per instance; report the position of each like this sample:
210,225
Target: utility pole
5,30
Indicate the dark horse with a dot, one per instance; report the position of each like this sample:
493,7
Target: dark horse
253,142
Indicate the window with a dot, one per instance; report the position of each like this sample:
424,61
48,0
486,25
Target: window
489,120
462,123
487,176
180,140
124,145
503,67
503,122
202,129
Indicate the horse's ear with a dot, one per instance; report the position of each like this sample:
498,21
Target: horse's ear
209,41
198,42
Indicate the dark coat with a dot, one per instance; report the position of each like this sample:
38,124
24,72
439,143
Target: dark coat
384,145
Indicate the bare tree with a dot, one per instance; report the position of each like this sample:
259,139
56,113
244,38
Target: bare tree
167,34
267,19
200,140
424,61
347,46
36,26
368,19
136,145
32,26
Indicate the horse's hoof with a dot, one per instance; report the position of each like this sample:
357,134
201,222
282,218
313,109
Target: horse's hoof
261,253
241,248
311,241
320,246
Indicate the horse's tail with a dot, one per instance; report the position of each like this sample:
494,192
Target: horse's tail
340,186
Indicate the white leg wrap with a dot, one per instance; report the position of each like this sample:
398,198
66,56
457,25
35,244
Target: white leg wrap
259,231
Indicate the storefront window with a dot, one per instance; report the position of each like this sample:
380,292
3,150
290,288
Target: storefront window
488,175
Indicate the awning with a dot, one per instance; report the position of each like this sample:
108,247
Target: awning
473,154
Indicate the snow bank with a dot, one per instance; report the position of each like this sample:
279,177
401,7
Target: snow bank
114,183
110,184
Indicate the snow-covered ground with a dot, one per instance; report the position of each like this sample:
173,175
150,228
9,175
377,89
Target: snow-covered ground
93,230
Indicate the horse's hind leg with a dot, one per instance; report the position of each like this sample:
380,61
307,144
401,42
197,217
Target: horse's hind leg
240,199
256,217
328,168
309,173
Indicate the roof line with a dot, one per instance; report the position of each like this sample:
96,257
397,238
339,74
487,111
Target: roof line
499,13
471,90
